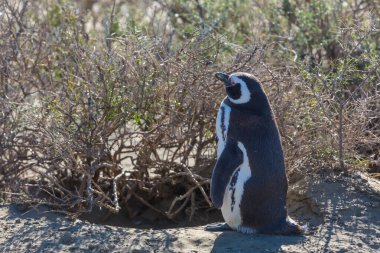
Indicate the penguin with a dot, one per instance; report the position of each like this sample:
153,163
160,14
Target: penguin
249,183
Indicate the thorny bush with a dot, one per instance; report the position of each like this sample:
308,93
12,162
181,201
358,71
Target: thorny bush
123,118
124,124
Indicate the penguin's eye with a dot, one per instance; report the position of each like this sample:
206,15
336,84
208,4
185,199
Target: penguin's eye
234,92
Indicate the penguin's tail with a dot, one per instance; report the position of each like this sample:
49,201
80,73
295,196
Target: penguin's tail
290,227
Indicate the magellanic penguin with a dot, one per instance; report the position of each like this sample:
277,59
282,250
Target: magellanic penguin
249,183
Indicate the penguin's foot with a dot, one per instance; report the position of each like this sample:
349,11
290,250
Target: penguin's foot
246,230
218,227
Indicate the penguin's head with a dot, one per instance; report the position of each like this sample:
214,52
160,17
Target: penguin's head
244,90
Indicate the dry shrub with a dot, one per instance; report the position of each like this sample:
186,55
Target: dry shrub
124,124
121,119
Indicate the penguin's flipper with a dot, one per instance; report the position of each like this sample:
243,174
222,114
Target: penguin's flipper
218,227
229,160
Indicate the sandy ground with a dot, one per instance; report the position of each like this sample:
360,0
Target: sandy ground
342,212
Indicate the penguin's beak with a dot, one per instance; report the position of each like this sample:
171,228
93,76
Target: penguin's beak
224,78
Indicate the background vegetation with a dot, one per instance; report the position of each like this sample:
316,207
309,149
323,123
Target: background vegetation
112,103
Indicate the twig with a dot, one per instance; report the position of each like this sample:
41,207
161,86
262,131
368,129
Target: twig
145,202
192,177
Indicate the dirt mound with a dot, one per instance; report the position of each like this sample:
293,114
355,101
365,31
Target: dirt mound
342,213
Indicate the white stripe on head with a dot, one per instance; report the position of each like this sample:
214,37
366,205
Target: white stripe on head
245,93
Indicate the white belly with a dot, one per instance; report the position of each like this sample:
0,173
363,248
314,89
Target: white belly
234,192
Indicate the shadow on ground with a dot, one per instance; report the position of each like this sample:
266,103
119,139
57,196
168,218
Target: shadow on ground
227,242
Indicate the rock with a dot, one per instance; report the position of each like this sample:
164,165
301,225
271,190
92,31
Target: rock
140,251
67,239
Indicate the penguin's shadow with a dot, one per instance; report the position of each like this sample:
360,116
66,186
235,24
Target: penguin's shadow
230,241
